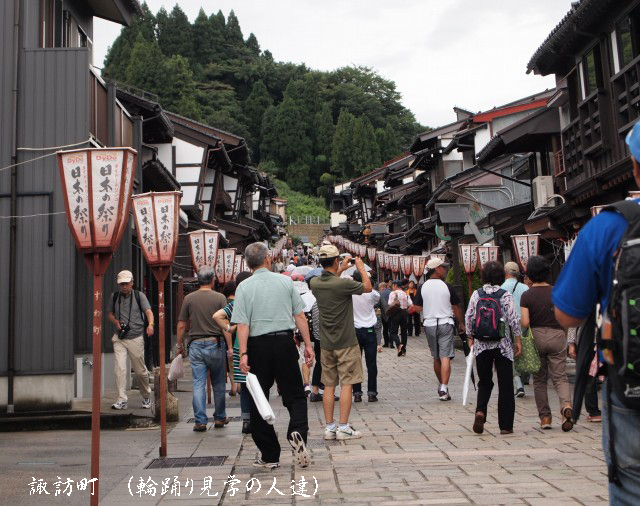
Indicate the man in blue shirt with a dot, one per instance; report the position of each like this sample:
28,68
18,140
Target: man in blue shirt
584,282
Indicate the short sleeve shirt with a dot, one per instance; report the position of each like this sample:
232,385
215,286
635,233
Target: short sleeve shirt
537,300
586,278
127,311
198,308
267,302
333,296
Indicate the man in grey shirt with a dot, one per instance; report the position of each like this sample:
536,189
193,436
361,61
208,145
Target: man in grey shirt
128,311
267,308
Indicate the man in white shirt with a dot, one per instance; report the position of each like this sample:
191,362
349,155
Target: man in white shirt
440,305
364,319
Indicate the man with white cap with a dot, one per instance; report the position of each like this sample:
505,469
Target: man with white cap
441,304
131,314
515,288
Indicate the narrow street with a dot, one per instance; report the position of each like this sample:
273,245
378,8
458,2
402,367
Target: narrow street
415,449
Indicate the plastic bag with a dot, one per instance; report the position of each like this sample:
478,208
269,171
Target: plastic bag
176,370
529,361
264,408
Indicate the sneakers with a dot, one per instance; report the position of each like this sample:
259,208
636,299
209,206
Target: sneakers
146,403
123,405
348,433
330,434
357,397
444,395
594,418
300,451
520,392
265,465
315,397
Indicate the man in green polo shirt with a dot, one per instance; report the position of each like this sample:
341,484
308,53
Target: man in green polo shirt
340,358
267,308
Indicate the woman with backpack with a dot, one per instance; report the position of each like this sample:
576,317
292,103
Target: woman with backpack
551,341
491,321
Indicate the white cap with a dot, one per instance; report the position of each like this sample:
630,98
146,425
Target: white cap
125,277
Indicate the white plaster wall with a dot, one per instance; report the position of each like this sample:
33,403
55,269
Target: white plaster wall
187,153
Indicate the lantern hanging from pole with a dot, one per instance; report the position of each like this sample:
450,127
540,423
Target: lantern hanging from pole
526,246
229,256
483,255
220,267
406,265
469,256
97,184
237,267
418,263
439,256
395,263
494,251
371,253
380,259
204,248
363,251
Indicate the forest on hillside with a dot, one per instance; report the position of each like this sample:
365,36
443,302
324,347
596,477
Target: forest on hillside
303,126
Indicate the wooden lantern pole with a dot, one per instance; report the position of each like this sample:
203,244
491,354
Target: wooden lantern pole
161,273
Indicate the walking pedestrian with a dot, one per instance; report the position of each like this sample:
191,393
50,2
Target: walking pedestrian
440,304
267,308
385,291
399,302
222,317
364,319
591,392
516,289
492,345
585,281
132,315
551,341
341,358
413,319
208,349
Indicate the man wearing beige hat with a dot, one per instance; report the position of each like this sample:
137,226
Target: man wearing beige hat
515,288
131,314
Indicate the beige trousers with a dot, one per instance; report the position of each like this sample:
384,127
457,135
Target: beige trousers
552,347
135,348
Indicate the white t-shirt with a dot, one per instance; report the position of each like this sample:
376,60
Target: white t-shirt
364,315
436,300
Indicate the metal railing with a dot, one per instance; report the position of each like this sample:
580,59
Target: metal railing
307,220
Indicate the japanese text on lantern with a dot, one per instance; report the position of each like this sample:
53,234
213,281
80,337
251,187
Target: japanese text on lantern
212,247
220,266
198,251
106,168
77,184
229,263
146,227
165,223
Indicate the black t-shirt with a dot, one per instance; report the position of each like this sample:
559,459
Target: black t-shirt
537,300
453,296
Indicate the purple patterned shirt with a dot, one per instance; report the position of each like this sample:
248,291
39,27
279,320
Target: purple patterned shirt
511,322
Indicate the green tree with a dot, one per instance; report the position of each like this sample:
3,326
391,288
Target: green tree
179,93
389,142
341,159
253,46
150,76
365,153
269,144
254,108
205,38
174,33
234,41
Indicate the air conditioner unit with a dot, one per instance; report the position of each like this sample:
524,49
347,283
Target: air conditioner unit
542,192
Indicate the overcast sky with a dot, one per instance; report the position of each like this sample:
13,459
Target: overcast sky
440,53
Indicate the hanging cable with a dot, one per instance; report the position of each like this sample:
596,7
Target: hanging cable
43,156
56,148
31,215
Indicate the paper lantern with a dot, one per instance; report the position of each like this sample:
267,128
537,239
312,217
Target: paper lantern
380,259
468,254
483,255
395,263
406,265
97,184
363,250
157,223
418,262
493,253
371,253
204,248
526,246
237,266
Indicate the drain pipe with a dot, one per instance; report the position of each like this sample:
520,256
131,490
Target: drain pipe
14,211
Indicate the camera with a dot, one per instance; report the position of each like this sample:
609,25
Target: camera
124,329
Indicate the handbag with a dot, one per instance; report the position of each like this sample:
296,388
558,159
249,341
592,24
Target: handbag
529,361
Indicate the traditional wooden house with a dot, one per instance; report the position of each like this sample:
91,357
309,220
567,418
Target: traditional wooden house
58,101
594,53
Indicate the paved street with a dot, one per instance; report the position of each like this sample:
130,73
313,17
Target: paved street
415,450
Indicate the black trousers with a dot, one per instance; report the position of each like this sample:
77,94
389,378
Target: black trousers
398,321
276,358
591,397
385,331
413,322
506,401
317,368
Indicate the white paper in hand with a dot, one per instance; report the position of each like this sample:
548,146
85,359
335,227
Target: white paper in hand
176,370
264,408
467,377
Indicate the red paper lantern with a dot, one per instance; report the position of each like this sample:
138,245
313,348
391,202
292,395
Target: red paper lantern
204,248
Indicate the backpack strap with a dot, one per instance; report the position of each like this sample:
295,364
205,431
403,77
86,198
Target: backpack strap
114,298
136,293
629,209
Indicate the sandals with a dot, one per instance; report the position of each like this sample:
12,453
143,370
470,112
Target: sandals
567,418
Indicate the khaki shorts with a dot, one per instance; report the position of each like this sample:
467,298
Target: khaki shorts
343,365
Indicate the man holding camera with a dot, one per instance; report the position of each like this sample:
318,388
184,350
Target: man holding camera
131,314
